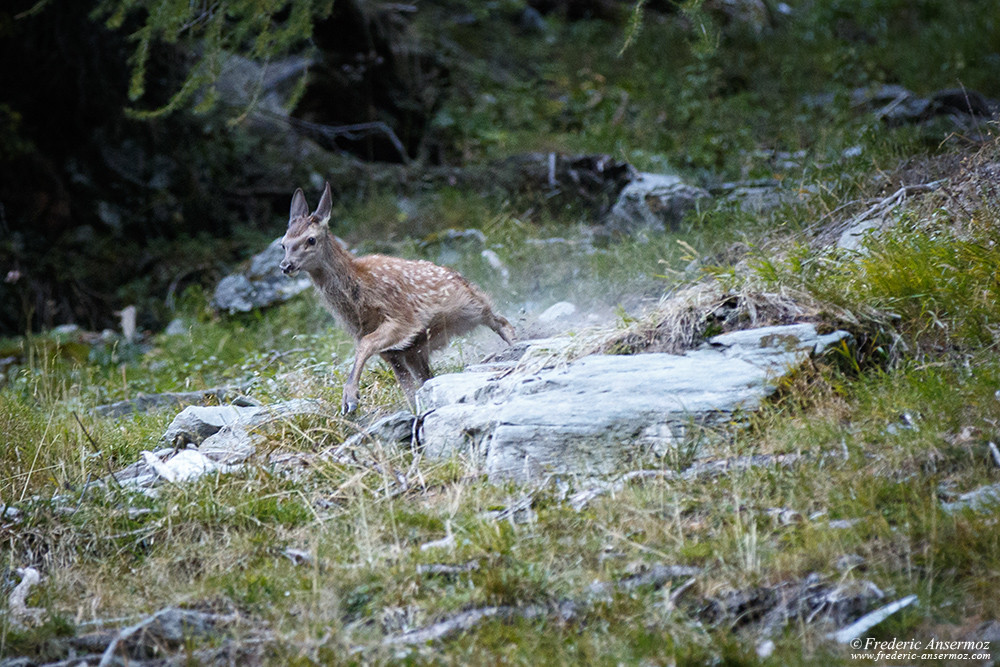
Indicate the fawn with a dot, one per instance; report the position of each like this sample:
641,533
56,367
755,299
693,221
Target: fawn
397,308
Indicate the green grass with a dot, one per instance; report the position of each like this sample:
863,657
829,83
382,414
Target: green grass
886,430
220,542
691,93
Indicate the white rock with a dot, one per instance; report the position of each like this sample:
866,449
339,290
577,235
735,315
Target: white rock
176,327
187,465
983,499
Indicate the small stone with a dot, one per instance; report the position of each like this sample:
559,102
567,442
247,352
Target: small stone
849,562
393,429
531,20
176,327
66,329
654,201
447,542
558,311
9,513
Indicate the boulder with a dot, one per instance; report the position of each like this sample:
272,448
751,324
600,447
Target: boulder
557,312
262,284
758,196
654,201
591,416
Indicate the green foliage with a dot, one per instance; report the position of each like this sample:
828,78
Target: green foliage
940,285
698,92
13,143
262,30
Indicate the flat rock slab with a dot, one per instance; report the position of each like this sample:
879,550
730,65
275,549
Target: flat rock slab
593,415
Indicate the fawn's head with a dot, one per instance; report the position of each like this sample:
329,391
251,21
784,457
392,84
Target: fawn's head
305,239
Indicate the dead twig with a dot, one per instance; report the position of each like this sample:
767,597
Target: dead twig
879,207
97,450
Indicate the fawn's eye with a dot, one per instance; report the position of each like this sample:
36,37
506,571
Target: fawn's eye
311,240
282,245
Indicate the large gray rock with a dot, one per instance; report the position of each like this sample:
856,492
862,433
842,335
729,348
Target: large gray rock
261,285
591,416
654,201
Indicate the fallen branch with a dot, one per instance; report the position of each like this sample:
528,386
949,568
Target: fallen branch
869,621
656,576
446,569
171,625
353,132
879,207
467,620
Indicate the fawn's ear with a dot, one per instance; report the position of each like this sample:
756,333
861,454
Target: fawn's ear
325,206
300,208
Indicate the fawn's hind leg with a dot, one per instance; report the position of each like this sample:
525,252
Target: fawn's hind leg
501,326
417,359
407,380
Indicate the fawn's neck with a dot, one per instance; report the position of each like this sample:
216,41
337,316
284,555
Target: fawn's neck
336,279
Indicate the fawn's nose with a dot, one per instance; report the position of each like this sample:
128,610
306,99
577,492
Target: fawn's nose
287,267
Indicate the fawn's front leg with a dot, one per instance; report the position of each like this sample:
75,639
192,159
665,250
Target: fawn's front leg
390,335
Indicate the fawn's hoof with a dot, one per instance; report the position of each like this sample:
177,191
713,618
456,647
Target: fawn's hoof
348,406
